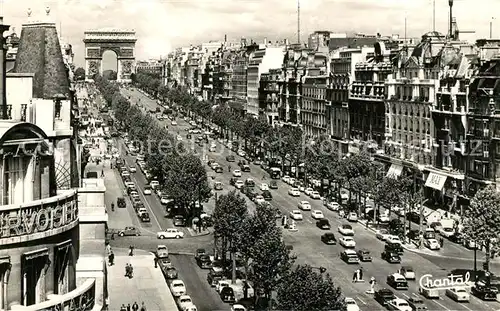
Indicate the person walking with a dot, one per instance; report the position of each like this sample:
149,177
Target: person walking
128,307
355,276
111,258
123,308
131,269
441,241
127,270
143,307
131,250
360,274
135,306
156,261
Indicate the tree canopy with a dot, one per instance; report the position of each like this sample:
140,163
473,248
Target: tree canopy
79,74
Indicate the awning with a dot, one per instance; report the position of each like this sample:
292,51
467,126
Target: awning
64,245
435,181
35,254
394,171
4,259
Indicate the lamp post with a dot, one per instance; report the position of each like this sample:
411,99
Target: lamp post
491,28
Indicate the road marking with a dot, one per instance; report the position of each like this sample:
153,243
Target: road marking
407,297
463,305
362,301
442,306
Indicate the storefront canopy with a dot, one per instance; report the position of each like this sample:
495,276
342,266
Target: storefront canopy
435,181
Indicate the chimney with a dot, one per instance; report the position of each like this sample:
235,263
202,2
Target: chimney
450,2
225,38
3,97
286,42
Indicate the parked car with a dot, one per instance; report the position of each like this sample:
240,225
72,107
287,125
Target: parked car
177,288
446,232
144,217
179,221
161,251
484,292
204,262
382,234
432,244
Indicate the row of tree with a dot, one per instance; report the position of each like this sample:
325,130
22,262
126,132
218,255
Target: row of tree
180,173
268,263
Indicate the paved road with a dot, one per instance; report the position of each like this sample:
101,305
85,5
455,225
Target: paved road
311,250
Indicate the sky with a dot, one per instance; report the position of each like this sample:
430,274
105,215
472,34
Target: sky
163,25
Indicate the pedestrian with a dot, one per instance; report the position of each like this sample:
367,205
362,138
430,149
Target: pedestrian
355,276
372,285
143,307
360,274
112,236
135,306
127,270
131,250
441,241
131,270
123,308
128,307
111,258
156,261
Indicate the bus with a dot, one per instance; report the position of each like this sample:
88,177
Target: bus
275,173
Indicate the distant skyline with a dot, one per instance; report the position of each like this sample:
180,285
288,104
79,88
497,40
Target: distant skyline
163,25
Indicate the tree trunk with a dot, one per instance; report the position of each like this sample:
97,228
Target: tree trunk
233,272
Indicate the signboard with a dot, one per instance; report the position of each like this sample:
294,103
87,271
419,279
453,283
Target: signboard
82,302
453,281
435,181
39,218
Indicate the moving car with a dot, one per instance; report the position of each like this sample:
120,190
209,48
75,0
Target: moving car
129,231
179,221
237,173
432,244
399,304
364,255
173,122
346,230
273,184
204,262
384,296
267,195
246,168
351,304
347,242
230,158
391,257
397,281
329,238
459,294
308,191
147,190
294,192
170,234
416,303
304,205
429,292
484,292
407,272
120,202
218,186
317,214
296,215
349,256
239,184
238,307
446,232
352,217
323,224
177,288
333,206
315,195
264,187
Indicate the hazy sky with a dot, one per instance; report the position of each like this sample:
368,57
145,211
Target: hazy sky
162,25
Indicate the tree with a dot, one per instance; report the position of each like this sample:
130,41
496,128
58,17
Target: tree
304,289
229,216
79,74
109,75
481,220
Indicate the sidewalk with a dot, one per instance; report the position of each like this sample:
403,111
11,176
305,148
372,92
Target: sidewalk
148,284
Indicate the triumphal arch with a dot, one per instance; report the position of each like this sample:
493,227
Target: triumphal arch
120,41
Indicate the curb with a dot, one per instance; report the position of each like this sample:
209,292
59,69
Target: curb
191,231
181,253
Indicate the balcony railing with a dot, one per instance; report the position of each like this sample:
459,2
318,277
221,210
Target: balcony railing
38,219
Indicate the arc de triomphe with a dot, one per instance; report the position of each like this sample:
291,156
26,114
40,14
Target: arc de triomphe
120,41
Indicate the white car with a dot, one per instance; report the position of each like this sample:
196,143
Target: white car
393,239
296,215
352,217
264,187
154,184
351,304
129,184
399,304
384,218
221,284
178,288
432,244
165,200
446,232
125,174
407,272
458,294
294,192
286,178
170,233
291,181
317,214
237,173
259,199
132,169
315,195
147,190
346,230
304,205
174,122
333,206
184,301
347,242
382,234
242,153
238,308
239,183
308,191
178,137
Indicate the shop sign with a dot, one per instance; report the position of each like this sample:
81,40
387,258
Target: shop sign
40,218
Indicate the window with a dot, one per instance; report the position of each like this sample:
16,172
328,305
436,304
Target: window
18,186
34,267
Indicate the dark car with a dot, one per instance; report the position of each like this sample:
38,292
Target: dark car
323,224
170,272
457,238
245,168
218,169
484,292
204,262
179,221
414,235
384,296
273,184
232,181
329,238
364,255
417,304
145,217
394,248
199,252
214,275
120,202
267,195
391,257
189,136
230,158
250,183
397,281
227,295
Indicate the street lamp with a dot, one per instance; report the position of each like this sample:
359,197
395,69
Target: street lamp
491,28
